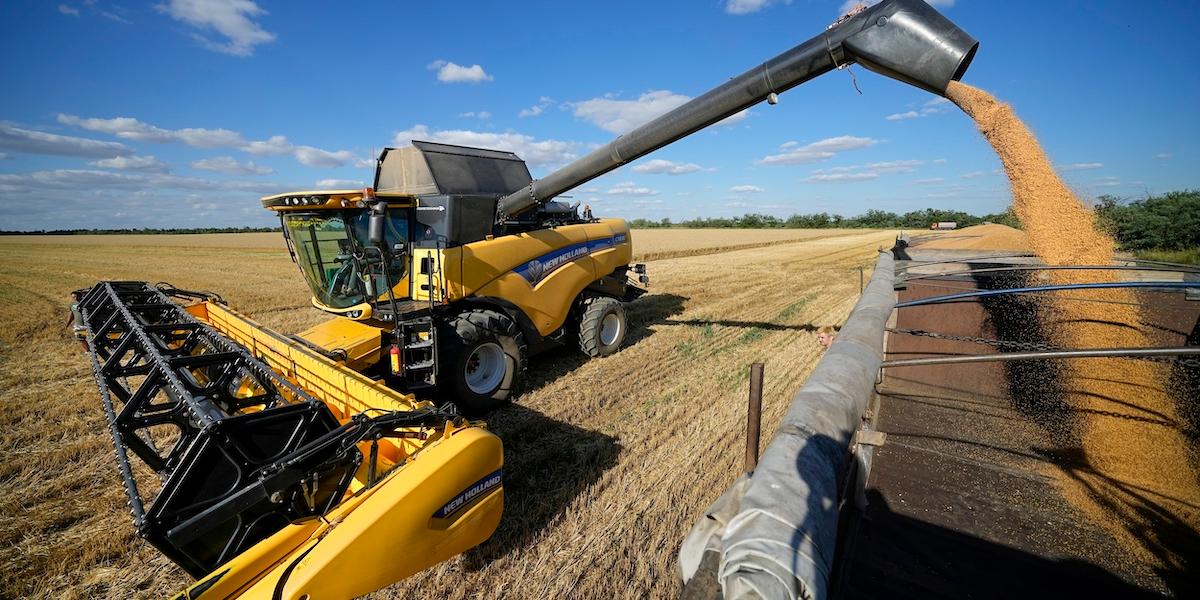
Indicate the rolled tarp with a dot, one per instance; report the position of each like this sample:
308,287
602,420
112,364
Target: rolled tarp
775,532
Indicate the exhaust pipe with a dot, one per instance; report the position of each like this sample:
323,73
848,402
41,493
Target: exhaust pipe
904,39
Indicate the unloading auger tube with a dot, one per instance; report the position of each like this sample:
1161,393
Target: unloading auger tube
904,39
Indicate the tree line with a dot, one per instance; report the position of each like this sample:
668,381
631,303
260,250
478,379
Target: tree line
146,231
873,219
1167,222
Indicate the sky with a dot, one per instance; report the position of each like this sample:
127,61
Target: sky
182,113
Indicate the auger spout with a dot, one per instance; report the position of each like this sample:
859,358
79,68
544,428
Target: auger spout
906,40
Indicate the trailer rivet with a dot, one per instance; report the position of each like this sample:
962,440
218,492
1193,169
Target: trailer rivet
881,21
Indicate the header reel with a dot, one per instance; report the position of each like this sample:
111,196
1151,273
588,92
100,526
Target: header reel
241,451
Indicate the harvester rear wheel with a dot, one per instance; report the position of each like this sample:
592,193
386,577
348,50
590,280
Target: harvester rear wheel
486,355
602,326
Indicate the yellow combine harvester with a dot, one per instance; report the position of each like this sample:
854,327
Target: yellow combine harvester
463,297
316,466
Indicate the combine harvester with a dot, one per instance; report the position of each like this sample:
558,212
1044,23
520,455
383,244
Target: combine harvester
311,466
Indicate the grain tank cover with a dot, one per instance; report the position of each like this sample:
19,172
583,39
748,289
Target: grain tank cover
426,168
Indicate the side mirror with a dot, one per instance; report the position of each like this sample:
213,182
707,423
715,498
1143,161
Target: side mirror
378,223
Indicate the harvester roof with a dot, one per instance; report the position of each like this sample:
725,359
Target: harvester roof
429,168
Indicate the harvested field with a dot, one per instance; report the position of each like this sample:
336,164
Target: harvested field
980,237
608,462
653,244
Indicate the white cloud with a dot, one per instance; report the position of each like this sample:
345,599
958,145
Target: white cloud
483,114
865,172
786,145
895,166
819,150
623,116
68,10
1163,156
85,179
930,181
274,146
840,177
744,7
316,157
746,189
535,152
939,161
1109,181
973,174
226,164
340,184
1081,166
111,15
38,142
4,156
132,129
448,72
148,164
209,138
629,188
931,107
233,19
666,167
537,109
122,127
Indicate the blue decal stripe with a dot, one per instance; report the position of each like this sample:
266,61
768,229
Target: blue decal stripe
538,268
475,490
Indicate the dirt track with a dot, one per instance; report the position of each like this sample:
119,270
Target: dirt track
608,461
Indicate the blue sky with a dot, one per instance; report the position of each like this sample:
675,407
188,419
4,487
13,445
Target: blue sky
181,113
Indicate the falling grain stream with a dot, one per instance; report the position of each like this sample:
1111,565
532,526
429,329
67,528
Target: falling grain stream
1131,474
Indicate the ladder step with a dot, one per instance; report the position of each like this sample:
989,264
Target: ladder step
425,364
421,344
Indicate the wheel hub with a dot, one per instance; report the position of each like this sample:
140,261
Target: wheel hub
610,329
485,368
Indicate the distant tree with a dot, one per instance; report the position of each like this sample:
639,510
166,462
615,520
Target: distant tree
1167,222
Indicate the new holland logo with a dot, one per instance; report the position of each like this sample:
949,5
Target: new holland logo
465,497
535,269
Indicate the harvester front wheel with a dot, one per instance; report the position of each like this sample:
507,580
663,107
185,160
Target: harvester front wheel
487,360
602,326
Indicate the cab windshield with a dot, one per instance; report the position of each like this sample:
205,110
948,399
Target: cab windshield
329,248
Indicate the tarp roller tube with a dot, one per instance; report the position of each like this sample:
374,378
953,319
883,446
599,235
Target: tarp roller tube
771,548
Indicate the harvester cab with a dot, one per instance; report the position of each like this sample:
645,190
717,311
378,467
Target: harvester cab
307,466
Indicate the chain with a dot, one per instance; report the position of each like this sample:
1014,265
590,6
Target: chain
1029,346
